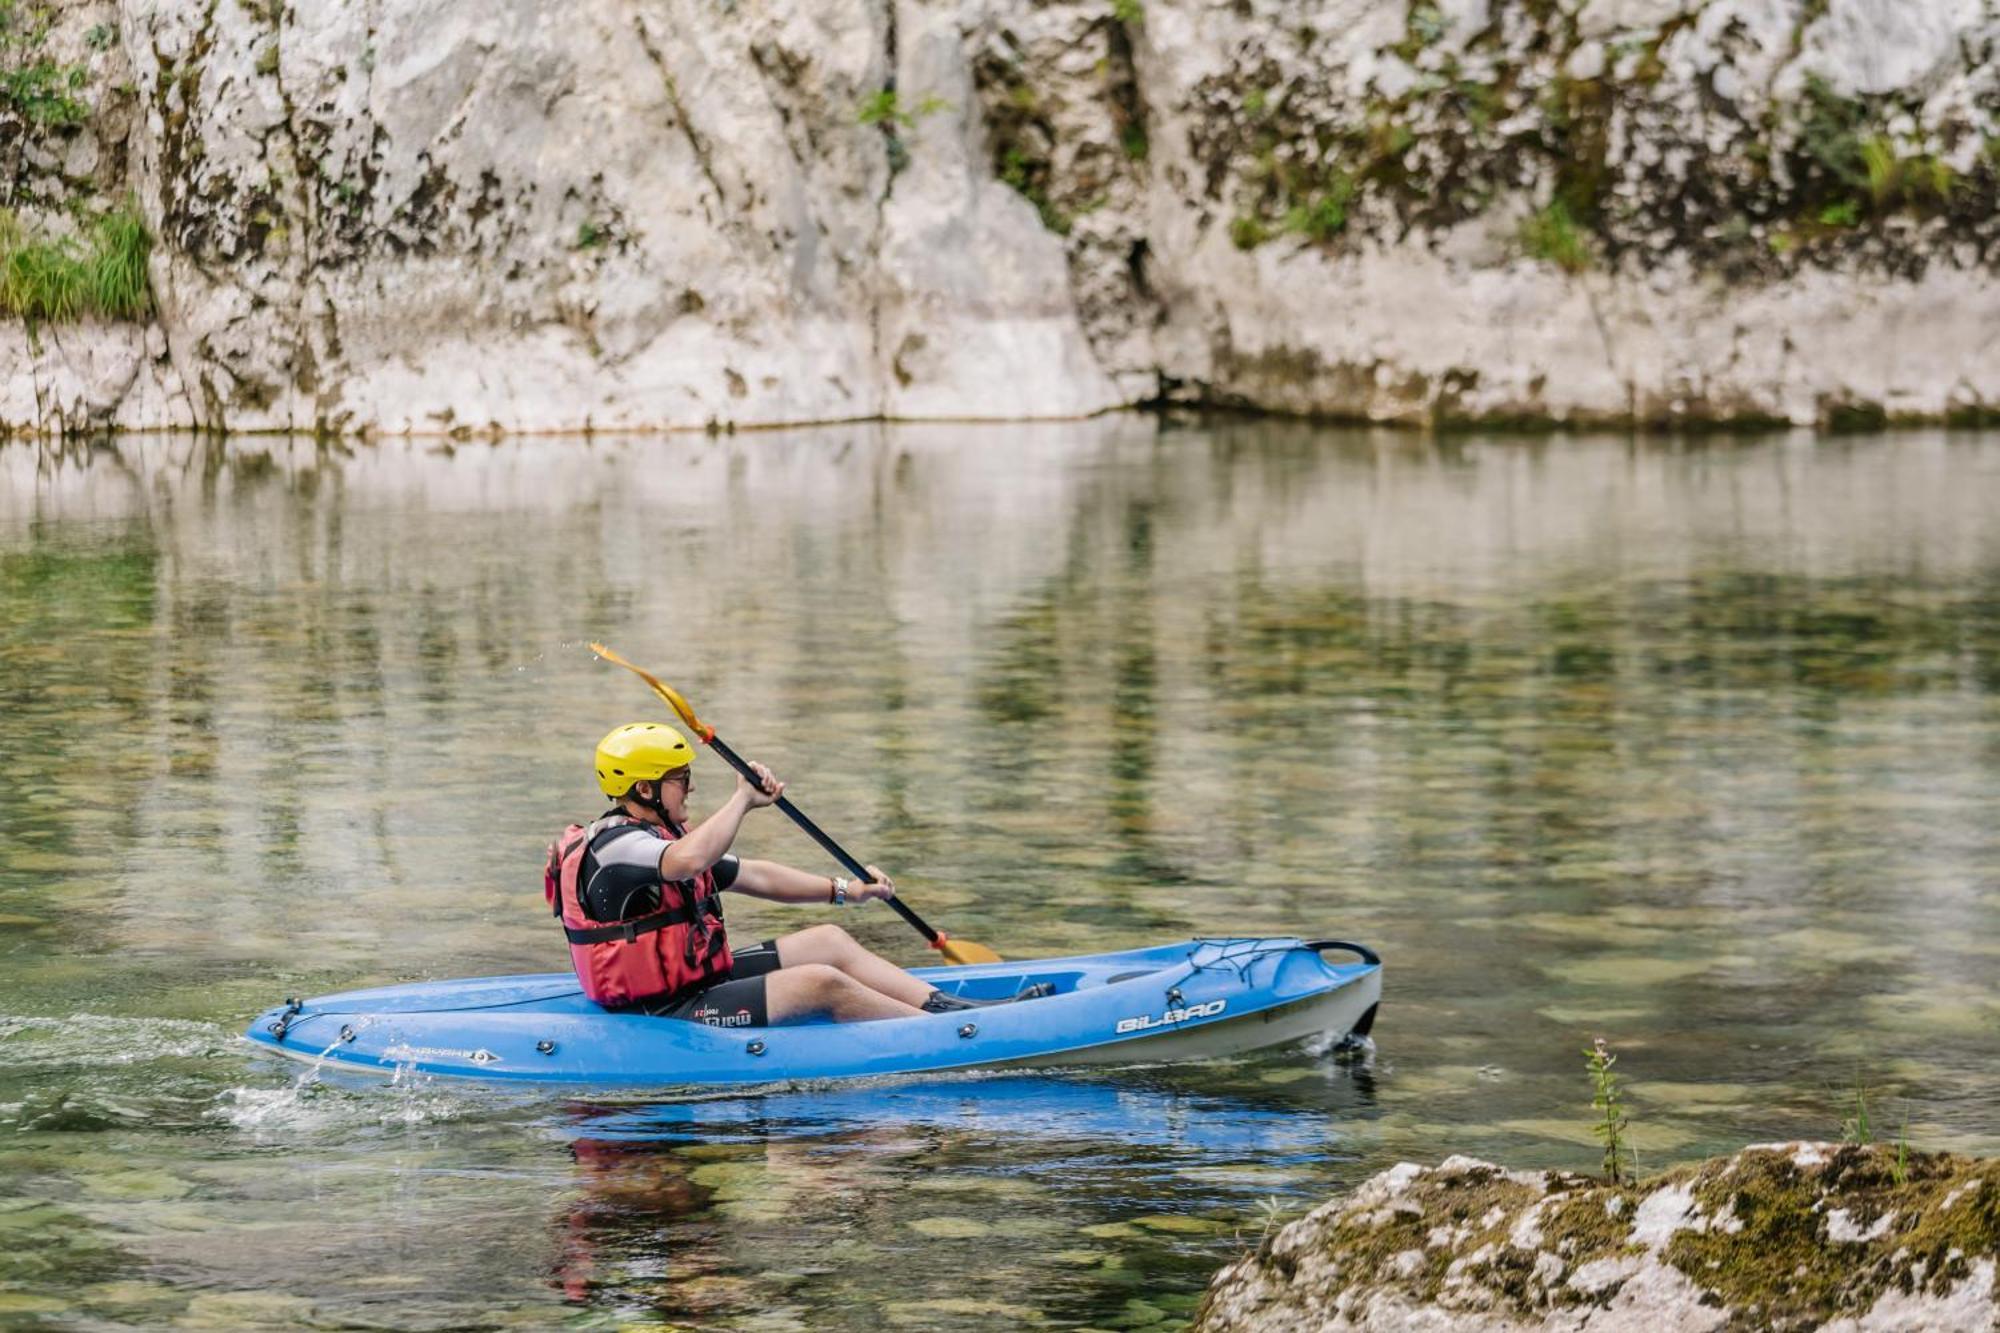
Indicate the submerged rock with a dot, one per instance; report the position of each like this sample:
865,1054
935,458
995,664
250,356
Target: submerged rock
1781,1236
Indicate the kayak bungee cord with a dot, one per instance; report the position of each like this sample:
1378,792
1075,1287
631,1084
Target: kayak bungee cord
1237,955
957,951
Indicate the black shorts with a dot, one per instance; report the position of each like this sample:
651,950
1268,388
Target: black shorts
737,1002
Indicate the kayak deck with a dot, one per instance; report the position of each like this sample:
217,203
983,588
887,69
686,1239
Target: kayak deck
1191,1000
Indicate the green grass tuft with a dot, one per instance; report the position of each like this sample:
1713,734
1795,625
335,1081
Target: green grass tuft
1856,1128
1028,177
1247,233
1878,159
58,280
1553,235
1895,180
118,285
1323,216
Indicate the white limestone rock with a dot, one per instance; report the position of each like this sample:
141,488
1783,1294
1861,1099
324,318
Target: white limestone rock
416,217
1539,1255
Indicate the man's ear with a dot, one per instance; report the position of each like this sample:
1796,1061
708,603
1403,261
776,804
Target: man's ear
643,791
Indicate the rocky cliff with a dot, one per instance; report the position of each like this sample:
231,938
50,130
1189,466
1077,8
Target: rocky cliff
397,215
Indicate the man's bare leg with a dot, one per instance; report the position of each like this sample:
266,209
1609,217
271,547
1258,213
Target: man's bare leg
834,947
816,988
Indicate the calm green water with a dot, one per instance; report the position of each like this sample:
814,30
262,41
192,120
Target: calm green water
1694,747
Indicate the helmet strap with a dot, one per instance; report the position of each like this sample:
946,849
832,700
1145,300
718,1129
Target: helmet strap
658,807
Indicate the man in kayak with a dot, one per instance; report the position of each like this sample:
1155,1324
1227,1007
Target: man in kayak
638,893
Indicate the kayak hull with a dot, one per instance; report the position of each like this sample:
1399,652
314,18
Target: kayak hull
1199,999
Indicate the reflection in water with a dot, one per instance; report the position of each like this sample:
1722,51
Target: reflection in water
677,1201
1085,1111
1695,746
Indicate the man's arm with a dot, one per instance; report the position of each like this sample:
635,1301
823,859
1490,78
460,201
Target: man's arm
705,843
708,842
781,883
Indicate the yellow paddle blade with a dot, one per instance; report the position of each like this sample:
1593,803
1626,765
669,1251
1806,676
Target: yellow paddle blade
965,951
665,691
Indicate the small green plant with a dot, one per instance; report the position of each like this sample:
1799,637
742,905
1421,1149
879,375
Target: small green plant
33,87
55,280
1831,132
267,61
1027,177
589,236
1131,13
1133,141
1389,139
1899,1170
885,107
1878,159
1427,24
1248,232
1322,215
1934,175
1272,1212
1894,179
1482,102
1856,161
878,107
1609,1127
1855,1128
1554,235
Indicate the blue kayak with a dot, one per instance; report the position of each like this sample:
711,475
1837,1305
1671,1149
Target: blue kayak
1199,999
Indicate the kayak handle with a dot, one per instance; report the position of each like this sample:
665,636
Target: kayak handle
1368,955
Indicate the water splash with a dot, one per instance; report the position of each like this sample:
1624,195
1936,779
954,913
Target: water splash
310,1103
310,1107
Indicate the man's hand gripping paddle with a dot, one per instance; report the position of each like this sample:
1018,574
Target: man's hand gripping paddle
957,951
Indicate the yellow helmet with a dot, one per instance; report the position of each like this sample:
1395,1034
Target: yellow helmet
639,752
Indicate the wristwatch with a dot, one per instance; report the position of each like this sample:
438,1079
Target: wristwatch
839,896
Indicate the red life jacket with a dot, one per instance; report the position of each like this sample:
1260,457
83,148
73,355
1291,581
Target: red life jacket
645,957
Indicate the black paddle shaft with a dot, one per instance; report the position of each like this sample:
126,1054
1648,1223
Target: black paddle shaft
818,835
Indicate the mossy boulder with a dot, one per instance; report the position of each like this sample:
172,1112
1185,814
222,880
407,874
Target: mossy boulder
1782,1236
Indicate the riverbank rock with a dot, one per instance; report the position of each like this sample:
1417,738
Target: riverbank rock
419,217
1784,1236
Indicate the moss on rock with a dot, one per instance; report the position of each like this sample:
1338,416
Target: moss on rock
1829,1232
1783,1236
1622,138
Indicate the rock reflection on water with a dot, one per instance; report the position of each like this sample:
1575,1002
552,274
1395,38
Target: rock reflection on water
1694,746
